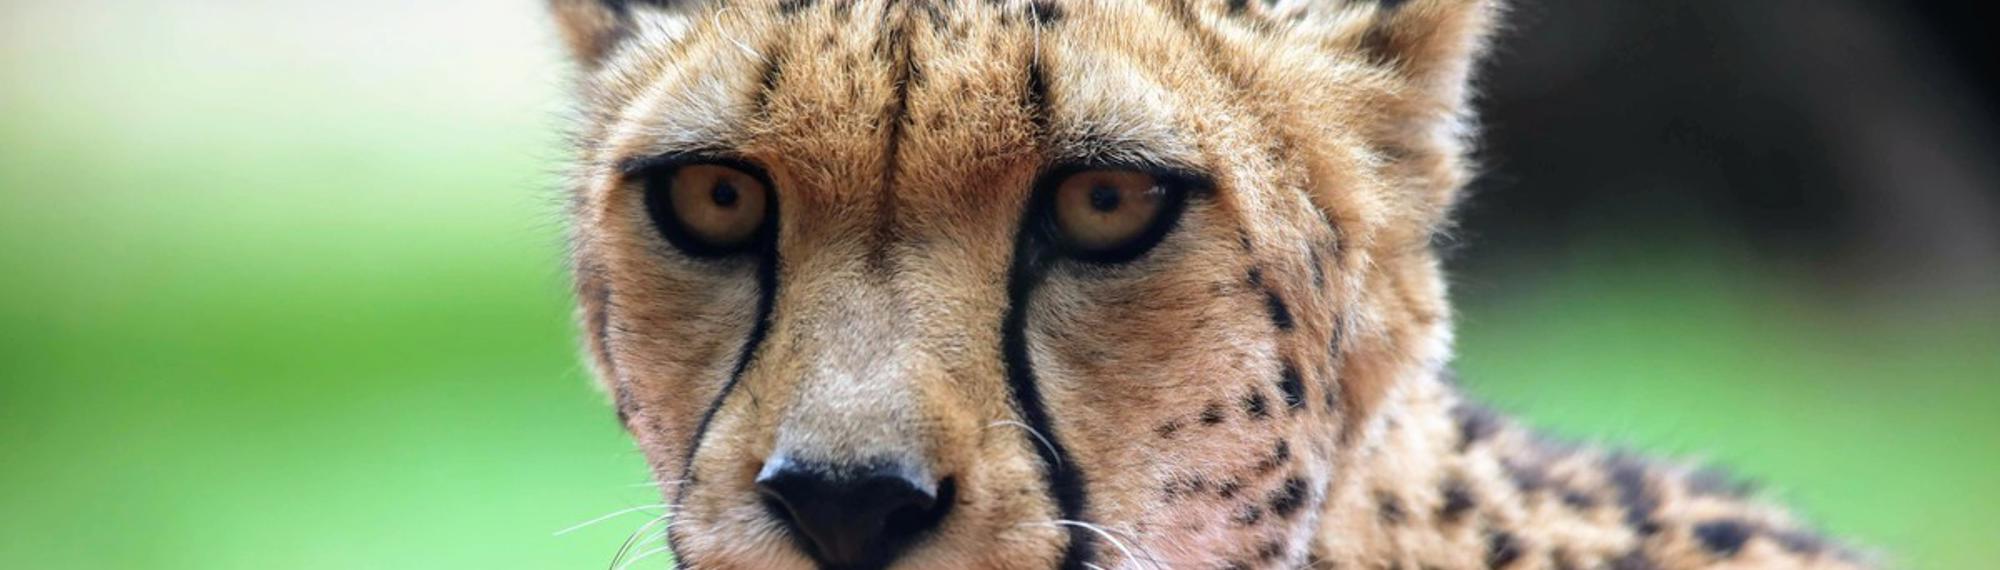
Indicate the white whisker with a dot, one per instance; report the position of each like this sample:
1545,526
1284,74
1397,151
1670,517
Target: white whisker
612,515
643,556
635,538
1107,535
1031,431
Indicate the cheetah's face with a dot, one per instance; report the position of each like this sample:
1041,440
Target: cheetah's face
1003,284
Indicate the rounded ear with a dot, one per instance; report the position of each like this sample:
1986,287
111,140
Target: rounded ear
590,27
1433,43
593,28
1431,48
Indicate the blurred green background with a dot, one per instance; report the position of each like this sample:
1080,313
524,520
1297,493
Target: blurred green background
280,286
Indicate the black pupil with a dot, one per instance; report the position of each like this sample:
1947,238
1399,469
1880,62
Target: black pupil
1104,198
724,194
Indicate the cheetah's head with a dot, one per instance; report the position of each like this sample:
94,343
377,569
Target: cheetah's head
985,284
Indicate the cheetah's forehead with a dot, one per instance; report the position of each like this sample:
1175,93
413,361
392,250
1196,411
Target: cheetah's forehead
937,103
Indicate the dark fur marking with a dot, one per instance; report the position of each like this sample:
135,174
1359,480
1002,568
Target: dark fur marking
1288,499
767,293
1280,455
1045,12
1724,537
1281,315
1292,387
1185,485
1270,551
1212,414
790,7
1475,424
1578,499
1389,508
1528,477
1248,515
767,82
1256,405
1228,489
1457,501
1167,430
1502,549
1037,97
1236,7
1065,480
1628,477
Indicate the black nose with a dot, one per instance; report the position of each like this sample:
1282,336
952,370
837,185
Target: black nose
854,516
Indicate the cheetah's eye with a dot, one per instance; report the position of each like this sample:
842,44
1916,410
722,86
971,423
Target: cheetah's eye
1112,215
708,209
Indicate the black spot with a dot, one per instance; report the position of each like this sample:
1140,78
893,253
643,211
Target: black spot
1280,454
789,7
1724,537
1457,501
1167,430
1502,549
1391,4
1212,414
1578,499
1635,495
1475,424
1228,489
1258,406
1270,551
1236,7
1281,315
1288,499
1291,386
1248,515
1528,477
1184,485
1045,12
1389,508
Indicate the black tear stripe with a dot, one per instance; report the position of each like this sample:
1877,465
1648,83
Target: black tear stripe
767,293
1065,479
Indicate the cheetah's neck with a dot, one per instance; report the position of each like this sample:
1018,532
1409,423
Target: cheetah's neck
1440,482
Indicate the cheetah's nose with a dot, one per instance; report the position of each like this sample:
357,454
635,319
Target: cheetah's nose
854,515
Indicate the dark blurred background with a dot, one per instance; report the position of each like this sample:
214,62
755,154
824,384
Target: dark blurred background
282,280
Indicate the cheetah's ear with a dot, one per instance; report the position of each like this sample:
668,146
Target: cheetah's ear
1435,44
1432,48
592,28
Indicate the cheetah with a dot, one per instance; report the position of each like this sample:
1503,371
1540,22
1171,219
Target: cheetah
1073,284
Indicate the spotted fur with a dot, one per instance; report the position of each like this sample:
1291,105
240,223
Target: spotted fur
1261,389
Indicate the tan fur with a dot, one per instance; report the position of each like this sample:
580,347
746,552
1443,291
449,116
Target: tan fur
902,139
